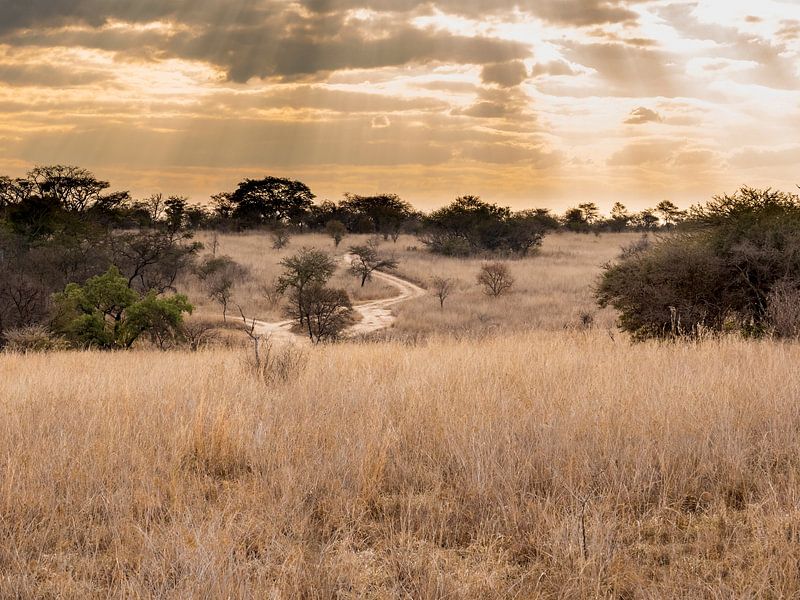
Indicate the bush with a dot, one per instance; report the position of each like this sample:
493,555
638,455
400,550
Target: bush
720,273
105,313
783,309
33,339
495,278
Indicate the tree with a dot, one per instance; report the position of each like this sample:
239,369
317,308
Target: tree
590,212
336,230
326,311
669,213
719,273
387,212
153,259
175,212
442,287
525,231
575,220
75,189
466,226
271,200
105,313
495,278
646,220
366,259
219,275
620,218
302,271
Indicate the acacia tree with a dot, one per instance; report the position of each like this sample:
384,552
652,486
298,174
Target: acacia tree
365,260
264,201
302,271
106,313
495,278
387,212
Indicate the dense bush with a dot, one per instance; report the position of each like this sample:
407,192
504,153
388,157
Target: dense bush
719,272
471,226
105,313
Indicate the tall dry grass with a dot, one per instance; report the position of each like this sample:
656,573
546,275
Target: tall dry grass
447,469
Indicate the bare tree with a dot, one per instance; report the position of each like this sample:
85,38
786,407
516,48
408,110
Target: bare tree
271,293
442,287
495,278
220,275
250,331
198,334
366,260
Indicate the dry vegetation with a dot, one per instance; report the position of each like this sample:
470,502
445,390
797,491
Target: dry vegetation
552,290
439,470
544,460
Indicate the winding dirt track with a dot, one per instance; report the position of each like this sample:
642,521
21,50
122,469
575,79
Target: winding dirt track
375,314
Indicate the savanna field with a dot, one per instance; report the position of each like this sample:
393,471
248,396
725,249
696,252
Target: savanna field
517,447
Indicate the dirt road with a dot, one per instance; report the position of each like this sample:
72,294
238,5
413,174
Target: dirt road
375,314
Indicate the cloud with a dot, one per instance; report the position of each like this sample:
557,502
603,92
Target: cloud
567,12
507,75
642,115
553,68
253,41
766,157
645,152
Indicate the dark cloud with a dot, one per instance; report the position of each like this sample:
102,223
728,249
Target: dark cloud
642,115
291,46
498,104
508,74
565,12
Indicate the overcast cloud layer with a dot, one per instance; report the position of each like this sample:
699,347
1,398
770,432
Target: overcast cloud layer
532,102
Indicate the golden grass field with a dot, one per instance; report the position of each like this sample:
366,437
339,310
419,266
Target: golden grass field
534,459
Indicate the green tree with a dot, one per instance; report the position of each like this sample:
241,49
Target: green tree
106,313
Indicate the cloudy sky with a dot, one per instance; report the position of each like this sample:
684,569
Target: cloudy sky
524,102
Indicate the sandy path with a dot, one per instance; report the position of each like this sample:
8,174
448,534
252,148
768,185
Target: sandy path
375,314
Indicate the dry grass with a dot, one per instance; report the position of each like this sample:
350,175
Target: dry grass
471,463
444,470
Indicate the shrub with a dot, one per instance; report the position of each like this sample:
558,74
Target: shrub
105,313
720,273
783,309
495,278
35,338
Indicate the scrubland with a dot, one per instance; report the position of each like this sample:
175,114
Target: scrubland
552,290
493,449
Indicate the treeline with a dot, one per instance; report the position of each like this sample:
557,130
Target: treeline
49,196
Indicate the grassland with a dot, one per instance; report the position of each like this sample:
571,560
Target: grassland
525,460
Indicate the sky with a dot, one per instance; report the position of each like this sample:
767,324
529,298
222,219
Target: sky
527,103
